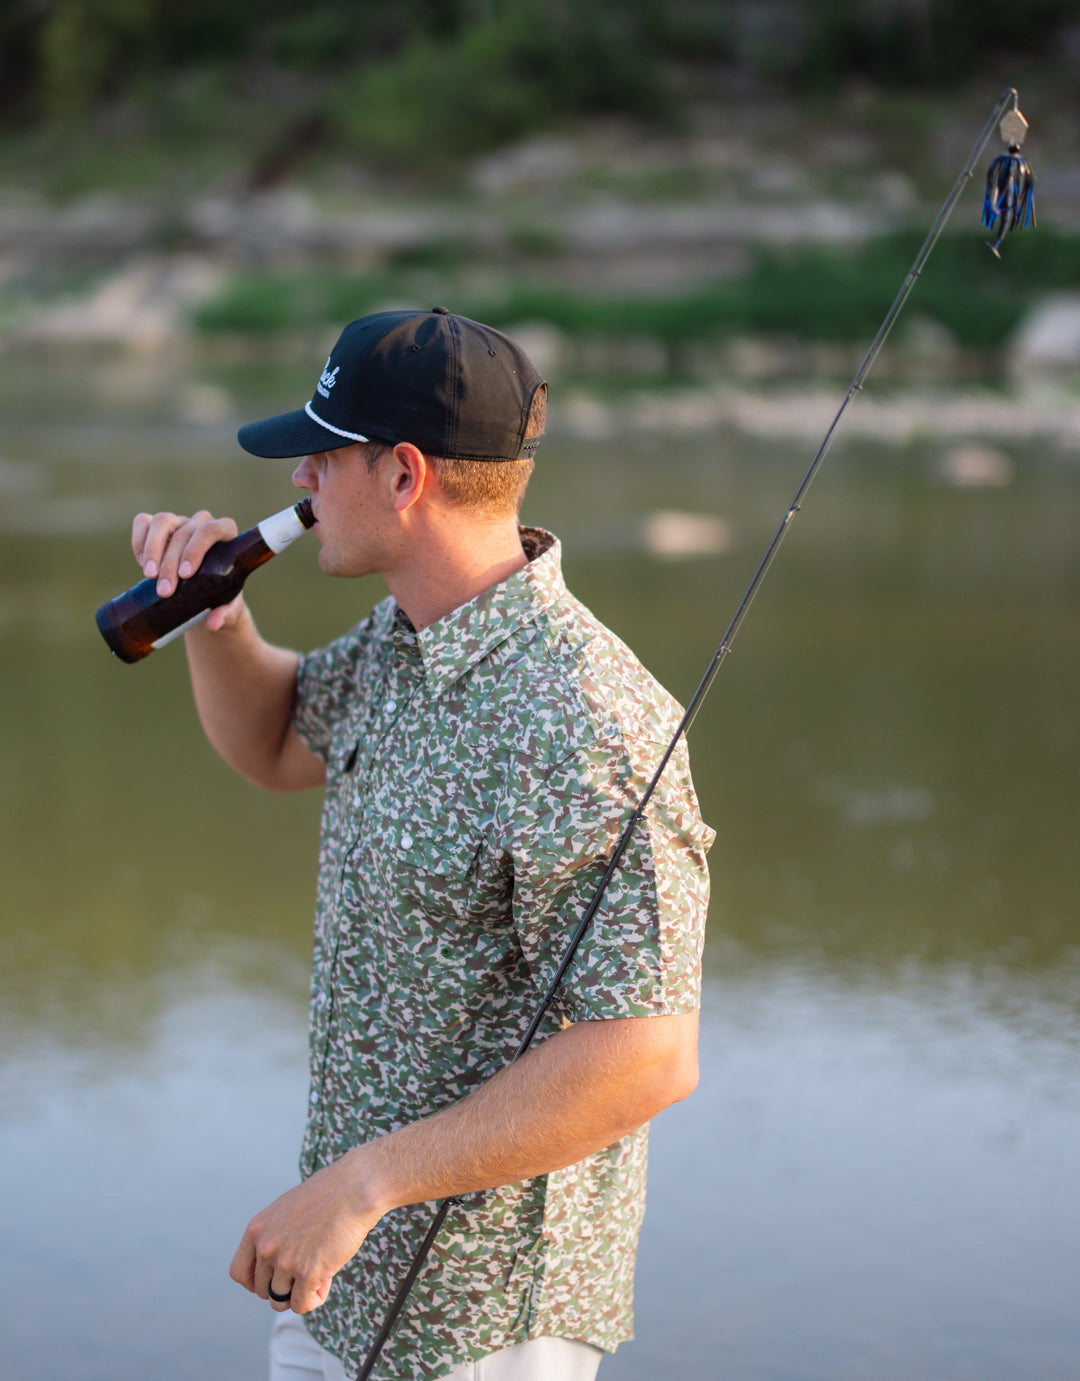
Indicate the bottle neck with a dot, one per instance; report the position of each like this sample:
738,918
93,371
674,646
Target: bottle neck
280,530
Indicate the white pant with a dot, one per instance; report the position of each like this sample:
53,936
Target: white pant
296,1356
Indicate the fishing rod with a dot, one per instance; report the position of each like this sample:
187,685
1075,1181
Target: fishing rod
1008,205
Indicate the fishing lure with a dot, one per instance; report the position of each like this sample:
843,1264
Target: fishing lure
1010,185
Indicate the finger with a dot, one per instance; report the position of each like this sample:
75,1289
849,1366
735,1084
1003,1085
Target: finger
187,546
264,1273
306,1297
150,535
280,1296
140,526
242,1266
286,1285
225,615
175,562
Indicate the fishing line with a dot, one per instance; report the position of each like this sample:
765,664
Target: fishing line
1008,206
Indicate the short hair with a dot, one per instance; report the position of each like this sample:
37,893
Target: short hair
495,487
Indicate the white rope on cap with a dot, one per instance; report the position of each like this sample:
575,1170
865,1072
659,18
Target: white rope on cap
349,436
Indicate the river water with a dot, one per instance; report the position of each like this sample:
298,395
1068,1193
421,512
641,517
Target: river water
878,1177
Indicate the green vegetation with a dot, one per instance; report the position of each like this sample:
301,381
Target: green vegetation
268,86
812,294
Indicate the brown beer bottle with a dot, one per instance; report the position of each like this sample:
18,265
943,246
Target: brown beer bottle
140,620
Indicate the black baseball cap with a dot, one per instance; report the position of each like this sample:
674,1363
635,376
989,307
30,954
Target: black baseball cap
449,385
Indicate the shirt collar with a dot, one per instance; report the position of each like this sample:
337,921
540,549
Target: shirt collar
456,642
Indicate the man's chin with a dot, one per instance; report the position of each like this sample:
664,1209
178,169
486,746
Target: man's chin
340,566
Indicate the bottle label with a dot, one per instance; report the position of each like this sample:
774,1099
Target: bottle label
281,529
167,638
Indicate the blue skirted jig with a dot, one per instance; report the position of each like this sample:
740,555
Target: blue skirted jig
1010,185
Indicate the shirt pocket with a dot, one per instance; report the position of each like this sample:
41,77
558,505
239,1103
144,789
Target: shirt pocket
442,921
435,850
434,870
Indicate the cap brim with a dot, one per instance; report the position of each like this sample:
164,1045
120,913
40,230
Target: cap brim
291,434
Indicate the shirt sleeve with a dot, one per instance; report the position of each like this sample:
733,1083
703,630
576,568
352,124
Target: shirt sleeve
641,955
318,697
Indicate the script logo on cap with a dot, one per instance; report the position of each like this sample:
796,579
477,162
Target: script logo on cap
327,379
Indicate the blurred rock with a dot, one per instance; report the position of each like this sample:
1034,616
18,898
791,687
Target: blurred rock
676,536
579,415
262,226
764,357
544,344
803,414
685,412
625,357
204,404
1048,342
535,163
780,178
976,466
142,307
895,191
86,230
926,348
615,224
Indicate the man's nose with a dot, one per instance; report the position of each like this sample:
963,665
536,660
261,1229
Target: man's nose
304,474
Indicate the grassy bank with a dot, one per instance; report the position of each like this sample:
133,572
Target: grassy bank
813,295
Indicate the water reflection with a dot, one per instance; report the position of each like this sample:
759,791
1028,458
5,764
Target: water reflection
879,1182
134,1155
875,1177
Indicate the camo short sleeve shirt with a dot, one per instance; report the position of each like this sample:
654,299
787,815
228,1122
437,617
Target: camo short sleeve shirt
478,774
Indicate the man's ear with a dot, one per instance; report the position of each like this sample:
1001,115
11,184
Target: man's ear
409,475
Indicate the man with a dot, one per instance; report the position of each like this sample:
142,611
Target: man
482,741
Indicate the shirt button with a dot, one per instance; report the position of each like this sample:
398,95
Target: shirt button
314,1095
391,707
406,841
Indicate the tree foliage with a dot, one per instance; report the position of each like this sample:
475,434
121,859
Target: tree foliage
446,77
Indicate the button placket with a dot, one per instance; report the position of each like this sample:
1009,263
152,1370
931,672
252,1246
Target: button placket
322,1002
405,675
